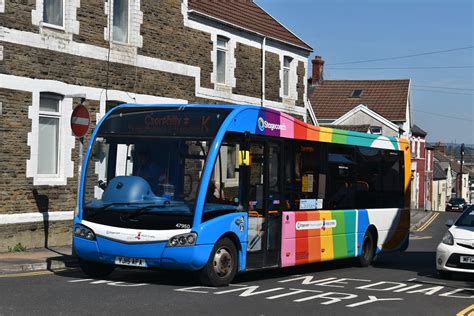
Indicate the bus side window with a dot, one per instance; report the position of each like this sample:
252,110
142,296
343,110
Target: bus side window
340,180
307,168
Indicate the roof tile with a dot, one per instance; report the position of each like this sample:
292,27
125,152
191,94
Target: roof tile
248,15
332,98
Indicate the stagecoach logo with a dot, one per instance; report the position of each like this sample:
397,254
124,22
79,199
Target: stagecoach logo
138,236
262,125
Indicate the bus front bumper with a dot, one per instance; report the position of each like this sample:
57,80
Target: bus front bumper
155,255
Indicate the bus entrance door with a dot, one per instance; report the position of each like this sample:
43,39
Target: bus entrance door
264,229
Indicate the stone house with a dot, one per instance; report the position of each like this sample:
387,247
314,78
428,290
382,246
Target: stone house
383,105
53,53
422,170
439,188
444,164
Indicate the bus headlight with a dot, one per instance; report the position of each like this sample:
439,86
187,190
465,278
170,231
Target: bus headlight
84,232
182,240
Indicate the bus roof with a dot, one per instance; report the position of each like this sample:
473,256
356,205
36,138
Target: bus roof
269,122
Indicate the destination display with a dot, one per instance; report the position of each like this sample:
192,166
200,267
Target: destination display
189,122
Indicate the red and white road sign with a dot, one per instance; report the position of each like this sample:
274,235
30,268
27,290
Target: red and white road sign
80,120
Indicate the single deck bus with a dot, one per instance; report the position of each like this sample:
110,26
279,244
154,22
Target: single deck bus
225,189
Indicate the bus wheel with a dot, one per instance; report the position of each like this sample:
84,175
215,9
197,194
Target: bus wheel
96,269
368,250
221,268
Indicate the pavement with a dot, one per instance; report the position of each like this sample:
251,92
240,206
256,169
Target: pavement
58,258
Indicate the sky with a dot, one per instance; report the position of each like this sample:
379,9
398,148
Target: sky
346,31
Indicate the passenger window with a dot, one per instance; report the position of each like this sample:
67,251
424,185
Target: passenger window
340,178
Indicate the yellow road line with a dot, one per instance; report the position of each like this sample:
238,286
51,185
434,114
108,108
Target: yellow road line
428,222
469,311
25,274
420,237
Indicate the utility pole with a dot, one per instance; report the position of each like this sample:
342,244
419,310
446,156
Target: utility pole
460,171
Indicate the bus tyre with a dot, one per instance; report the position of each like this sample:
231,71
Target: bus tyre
96,269
368,250
221,268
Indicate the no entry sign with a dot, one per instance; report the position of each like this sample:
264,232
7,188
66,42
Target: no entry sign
80,120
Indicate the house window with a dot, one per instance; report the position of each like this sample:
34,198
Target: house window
357,93
377,130
48,136
120,21
53,12
286,75
222,48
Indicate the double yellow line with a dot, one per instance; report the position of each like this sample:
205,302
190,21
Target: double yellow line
467,311
428,222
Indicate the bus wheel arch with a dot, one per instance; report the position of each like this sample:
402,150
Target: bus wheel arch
368,247
223,263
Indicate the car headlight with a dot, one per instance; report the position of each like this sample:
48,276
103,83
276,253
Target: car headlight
448,239
449,204
84,232
182,240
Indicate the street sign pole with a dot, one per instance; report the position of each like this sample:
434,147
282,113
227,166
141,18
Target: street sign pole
79,171
80,120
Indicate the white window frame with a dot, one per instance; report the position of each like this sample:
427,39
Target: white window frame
55,26
53,115
66,142
290,98
224,88
70,24
135,20
225,50
287,70
129,20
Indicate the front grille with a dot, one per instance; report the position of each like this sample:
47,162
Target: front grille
466,245
454,262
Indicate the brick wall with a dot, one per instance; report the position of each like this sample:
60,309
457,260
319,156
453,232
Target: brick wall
272,77
14,151
18,15
248,72
165,37
300,70
92,22
45,64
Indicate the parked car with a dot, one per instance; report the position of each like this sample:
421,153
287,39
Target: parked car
455,253
456,205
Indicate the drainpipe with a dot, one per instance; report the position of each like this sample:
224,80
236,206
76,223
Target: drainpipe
264,43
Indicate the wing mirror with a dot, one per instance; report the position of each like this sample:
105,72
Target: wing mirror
449,222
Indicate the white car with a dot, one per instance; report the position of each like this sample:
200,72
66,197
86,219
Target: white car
455,253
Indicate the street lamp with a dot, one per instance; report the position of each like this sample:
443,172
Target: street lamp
460,171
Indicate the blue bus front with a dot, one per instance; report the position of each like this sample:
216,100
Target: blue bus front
140,191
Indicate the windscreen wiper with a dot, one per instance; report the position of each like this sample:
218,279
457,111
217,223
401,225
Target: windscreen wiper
143,210
98,210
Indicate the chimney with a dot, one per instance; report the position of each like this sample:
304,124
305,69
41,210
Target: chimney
439,147
318,70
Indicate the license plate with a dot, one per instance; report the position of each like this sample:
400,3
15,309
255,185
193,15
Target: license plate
134,262
467,259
